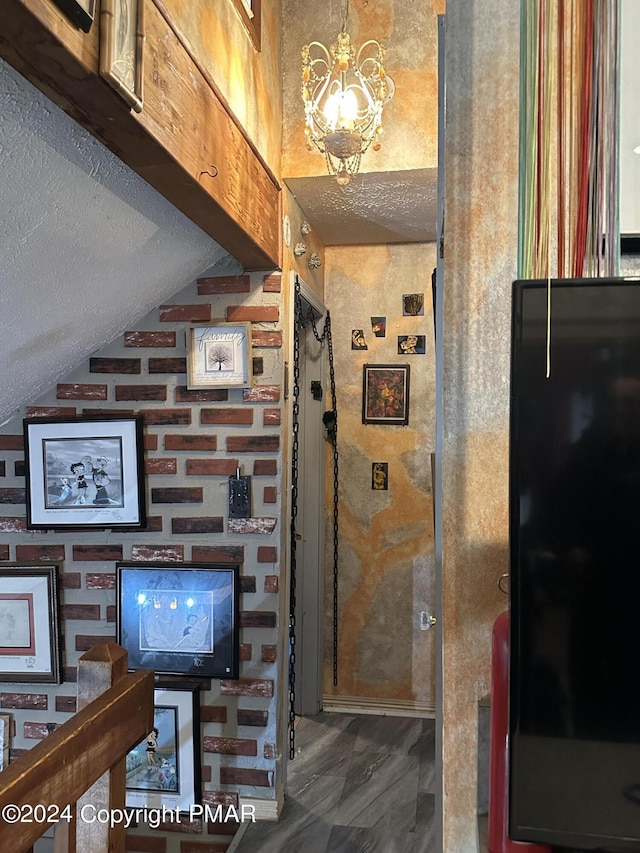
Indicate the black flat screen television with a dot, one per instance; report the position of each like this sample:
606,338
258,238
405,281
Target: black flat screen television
574,714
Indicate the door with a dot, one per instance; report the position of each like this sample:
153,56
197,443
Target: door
310,576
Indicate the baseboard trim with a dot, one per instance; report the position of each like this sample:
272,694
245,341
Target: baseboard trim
381,707
265,809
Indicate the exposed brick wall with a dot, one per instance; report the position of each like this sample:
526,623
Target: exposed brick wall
193,441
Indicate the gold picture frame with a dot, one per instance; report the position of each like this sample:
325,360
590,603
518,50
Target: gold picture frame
219,356
121,48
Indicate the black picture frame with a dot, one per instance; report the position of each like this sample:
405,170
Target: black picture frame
385,394
164,771
84,473
180,618
30,646
81,12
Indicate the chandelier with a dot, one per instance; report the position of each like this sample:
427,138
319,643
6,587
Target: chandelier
344,93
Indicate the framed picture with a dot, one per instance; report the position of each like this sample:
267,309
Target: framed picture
121,48
29,623
180,618
84,473
219,356
385,394
163,770
79,11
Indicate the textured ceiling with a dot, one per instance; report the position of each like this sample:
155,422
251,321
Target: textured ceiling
376,207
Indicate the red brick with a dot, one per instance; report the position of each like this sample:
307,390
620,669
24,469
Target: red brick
114,413
115,365
218,827
224,284
160,553
154,524
253,444
270,495
3,469
160,466
184,825
268,653
101,580
106,553
205,772
261,394
253,313
214,467
173,366
81,392
220,798
13,496
84,642
245,651
213,714
247,583
260,338
39,553
34,731
4,552
229,745
257,365
247,687
159,417
184,313
248,526
111,613
190,442
271,417
25,701
246,776
66,704
11,442
141,392
271,583
80,611
197,525
202,395
265,467
70,674
267,554
257,619
51,412
150,441
177,494
70,580
19,468
150,339
13,524
272,283
226,416
203,846
217,554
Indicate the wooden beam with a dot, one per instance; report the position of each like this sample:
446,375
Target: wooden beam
61,767
185,142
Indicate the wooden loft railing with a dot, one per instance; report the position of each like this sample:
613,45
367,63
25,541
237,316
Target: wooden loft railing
81,763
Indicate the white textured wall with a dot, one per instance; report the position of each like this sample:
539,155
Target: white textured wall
86,246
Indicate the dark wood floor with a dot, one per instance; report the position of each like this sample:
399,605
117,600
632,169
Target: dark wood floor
358,784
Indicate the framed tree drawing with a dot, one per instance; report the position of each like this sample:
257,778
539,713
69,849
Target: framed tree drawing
219,356
84,473
180,618
163,770
385,394
29,623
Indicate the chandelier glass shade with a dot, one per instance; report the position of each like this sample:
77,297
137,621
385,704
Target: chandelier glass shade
344,93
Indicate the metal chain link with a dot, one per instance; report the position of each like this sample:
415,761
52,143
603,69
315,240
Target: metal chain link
300,323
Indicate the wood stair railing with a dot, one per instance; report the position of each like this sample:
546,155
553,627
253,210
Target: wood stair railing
79,769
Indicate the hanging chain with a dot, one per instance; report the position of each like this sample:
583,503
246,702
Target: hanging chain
332,430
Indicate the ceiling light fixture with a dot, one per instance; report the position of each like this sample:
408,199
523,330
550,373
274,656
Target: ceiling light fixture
344,93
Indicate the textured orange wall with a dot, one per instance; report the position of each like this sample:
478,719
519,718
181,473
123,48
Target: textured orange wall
250,80
481,203
386,537
409,32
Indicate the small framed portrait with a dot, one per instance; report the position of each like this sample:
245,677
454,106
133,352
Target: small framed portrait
385,394
84,473
81,12
163,770
29,623
179,618
411,344
219,356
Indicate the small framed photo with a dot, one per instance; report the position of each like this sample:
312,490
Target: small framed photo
122,48
219,356
163,770
84,473
29,623
385,394
79,11
180,618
